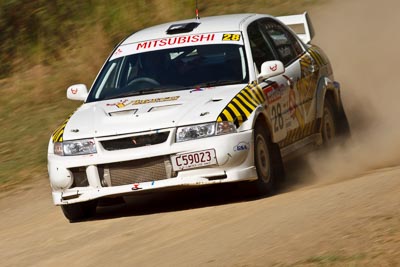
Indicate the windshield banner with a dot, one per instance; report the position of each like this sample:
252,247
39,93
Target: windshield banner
178,41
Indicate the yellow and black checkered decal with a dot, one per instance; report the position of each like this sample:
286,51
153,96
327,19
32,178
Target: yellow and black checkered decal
243,104
299,133
59,132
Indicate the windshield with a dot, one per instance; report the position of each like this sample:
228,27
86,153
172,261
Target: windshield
170,70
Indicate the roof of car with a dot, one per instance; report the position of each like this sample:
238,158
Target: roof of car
207,24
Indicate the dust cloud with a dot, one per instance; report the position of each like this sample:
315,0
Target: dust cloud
364,53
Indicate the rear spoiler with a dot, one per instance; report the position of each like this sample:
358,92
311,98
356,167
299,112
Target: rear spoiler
301,25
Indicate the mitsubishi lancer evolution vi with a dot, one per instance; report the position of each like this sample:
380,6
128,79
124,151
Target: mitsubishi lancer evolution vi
197,102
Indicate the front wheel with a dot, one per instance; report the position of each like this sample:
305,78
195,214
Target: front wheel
79,211
264,161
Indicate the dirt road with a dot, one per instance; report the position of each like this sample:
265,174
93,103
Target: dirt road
341,209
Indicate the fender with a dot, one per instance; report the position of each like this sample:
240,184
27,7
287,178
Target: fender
259,113
254,101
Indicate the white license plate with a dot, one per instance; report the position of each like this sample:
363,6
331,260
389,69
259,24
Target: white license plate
193,160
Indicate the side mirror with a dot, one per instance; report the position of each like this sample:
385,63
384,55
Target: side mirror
270,69
77,92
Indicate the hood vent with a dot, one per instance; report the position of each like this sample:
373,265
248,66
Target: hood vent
162,108
123,112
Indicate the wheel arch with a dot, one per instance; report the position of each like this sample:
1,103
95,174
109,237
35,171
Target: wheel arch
261,116
328,89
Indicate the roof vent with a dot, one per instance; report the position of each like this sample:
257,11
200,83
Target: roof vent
182,27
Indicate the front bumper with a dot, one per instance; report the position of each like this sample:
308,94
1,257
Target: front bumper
234,154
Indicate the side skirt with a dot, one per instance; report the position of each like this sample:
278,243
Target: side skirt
300,147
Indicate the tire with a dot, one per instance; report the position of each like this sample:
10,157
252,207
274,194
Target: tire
264,161
329,124
79,211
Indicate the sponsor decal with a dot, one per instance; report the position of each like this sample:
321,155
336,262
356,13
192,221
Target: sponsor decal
303,89
231,37
274,68
307,83
310,64
294,105
197,90
272,92
119,51
242,146
125,103
136,186
177,41
243,104
120,104
154,100
317,55
74,91
158,43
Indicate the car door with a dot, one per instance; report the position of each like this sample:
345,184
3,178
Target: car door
275,88
299,113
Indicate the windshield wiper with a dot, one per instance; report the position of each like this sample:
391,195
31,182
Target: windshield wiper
219,83
135,93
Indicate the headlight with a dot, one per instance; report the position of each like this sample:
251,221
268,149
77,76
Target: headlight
204,130
76,147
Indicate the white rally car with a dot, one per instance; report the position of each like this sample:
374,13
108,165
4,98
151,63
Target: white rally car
197,102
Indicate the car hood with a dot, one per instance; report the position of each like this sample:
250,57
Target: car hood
149,112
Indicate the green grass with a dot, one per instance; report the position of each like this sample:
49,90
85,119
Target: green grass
62,43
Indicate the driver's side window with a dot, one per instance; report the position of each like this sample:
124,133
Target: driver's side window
285,44
261,50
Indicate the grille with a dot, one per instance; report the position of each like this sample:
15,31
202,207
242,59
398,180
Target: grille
138,171
135,141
